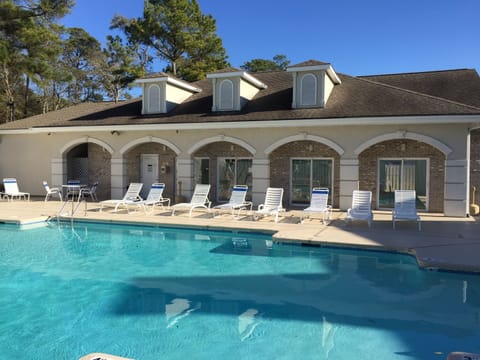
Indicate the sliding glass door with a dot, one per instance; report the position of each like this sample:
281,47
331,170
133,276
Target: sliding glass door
307,174
402,174
233,171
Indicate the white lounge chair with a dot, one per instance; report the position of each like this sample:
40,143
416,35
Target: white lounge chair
11,190
318,204
237,200
154,198
199,200
272,204
361,207
405,207
52,191
132,195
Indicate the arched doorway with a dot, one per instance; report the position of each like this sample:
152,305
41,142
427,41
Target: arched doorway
403,164
222,164
300,165
89,162
151,162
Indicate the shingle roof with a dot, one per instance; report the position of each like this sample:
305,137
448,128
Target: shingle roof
461,85
437,93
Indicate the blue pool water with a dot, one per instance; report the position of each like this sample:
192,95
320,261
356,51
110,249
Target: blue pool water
160,293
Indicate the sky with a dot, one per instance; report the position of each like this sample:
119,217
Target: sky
357,37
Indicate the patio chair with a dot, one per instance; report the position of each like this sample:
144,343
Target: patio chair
90,191
361,207
132,194
272,204
405,207
318,204
73,188
154,198
52,191
199,200
11,190
237,200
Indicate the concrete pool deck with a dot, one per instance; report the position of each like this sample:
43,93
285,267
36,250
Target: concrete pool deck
444,243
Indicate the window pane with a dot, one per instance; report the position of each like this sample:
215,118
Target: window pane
415,178
226,95
322,175
301,181
226,178
244,175
309,93
402,175
201,171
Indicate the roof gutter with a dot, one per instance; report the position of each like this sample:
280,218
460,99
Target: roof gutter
473,120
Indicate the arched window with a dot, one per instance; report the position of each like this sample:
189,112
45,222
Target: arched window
226,95
154,99
308,90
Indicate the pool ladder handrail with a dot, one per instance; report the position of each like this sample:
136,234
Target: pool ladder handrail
79,200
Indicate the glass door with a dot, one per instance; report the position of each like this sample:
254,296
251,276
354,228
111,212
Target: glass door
307,174
402,174
233,172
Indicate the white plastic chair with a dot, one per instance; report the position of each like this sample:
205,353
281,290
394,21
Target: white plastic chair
154,198
361,207
237,200
405,207
132,195
199,200
11,190
318,204
52,191
272,204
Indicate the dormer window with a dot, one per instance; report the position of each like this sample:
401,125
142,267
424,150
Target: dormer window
162,92
226,95
153,99
313,83
308,90
232,89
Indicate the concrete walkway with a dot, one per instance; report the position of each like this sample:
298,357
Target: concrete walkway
444,243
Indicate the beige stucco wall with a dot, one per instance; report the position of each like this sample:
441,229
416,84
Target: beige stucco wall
29,157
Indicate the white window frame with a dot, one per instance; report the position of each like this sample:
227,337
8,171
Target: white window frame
150,110
315,95
222,95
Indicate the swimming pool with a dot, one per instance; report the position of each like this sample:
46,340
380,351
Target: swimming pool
161,293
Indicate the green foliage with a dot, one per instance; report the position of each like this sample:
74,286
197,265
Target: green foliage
180,34
119,67
27,46
279,62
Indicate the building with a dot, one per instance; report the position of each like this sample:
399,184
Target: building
304,127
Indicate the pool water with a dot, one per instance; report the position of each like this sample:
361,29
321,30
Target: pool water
161,293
